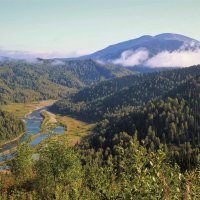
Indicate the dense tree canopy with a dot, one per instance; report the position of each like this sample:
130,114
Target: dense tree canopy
136,90
145,144
162,108
10,126
132,173
22,81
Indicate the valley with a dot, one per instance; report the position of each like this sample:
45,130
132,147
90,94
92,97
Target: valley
76,130
99,100
22,81
21,110
39,122
86,129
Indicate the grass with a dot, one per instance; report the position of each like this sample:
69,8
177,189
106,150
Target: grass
22,109
75,129
49,120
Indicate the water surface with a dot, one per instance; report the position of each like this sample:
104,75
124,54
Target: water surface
33,122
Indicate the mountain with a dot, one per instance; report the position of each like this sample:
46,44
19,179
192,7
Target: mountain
172,121
99,100
10,126
144,51
22,81
161,107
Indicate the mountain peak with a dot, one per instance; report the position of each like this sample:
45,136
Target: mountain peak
173,36
163,50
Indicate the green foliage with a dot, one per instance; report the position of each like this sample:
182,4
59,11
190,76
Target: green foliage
172,121
58,171
162,107
22,81
21,165
146,146
132,173
10,126
111,96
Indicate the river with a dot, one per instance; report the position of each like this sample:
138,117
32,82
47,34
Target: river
33,122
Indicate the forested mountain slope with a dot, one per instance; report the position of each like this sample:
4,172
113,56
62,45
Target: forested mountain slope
138,53
161,108
134,90
173,121
10,126
22,81
131,154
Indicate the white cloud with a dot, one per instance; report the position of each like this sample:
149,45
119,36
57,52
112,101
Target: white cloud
59,54
174,59
131,58
57,62
31,56
101,62
14,54
179,58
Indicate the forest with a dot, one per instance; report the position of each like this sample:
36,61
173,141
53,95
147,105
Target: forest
134,90
173,122
10,126
64,172
145,142
161,108
25,81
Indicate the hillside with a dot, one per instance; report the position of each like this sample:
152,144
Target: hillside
10,126
136,90
173,121
162,108
149,52
22,81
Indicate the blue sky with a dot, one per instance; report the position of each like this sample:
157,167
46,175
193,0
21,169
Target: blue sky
70,27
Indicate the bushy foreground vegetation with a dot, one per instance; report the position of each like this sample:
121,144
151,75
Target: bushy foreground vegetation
162,108
145,146
173,122
63,172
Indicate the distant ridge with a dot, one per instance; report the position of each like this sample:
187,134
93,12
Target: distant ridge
136,52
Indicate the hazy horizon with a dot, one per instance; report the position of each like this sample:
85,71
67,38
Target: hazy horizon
69,28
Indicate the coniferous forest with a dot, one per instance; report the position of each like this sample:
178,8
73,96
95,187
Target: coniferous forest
100,100
10,126
25,81
145,144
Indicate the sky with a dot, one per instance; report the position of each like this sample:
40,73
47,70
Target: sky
66,28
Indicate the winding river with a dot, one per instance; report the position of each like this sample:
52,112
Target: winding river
33,122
